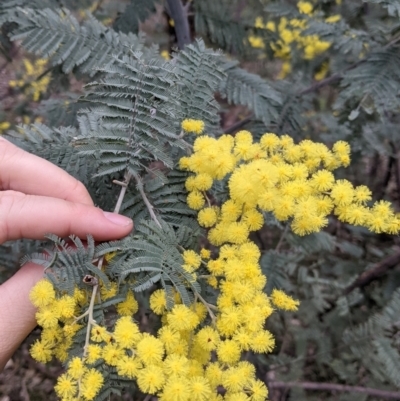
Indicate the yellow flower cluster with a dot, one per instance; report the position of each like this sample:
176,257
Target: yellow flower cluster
61,317
177,364
33,86
293,181
200,357
197,350
190,125
290,34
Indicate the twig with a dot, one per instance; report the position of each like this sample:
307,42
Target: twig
208,306
150,208
239,124
178,13
280,242
375,272
124,187
89,312
336,387
90,318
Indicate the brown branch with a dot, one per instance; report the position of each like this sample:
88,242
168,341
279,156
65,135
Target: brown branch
375,272
181,24
395,395
330,80
234,127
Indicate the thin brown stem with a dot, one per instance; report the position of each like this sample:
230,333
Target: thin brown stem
374,272
234,127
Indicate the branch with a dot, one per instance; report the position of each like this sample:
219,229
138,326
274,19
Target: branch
239,124
330,80
178,13
150,208
337,387
90,313
375,272
124,187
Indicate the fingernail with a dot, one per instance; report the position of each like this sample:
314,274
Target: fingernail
118,219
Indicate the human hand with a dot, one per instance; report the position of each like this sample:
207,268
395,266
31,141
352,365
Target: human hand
37,197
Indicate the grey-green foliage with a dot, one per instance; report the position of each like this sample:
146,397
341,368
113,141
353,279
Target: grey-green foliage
72,5
131,123
214,19
375,341
137,116
167,196
61,112
377,77
132,119
135,12
67,265
89,46
228,24
56,34
154,257
149,256
198,76
247,89
55,146
392,6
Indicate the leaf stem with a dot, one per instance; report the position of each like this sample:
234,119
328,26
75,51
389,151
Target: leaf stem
208,306
89,312
90,319
150,208
124,187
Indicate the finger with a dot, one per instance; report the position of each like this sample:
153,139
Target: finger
17,314
28,216
30,174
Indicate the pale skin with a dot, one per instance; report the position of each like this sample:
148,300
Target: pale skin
36,198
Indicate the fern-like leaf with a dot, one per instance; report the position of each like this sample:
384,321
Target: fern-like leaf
56,34
247,89
134,116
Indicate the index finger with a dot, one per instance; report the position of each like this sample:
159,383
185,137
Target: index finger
23,172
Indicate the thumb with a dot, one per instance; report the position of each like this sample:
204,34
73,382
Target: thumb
30,216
